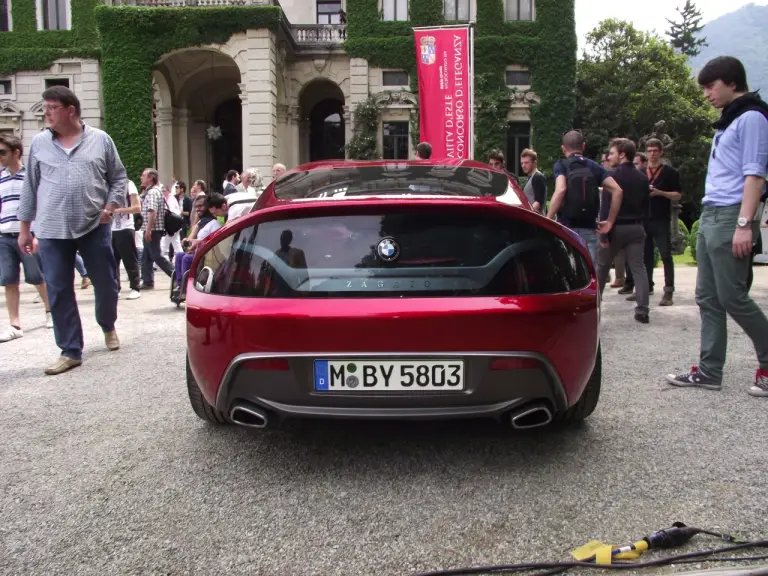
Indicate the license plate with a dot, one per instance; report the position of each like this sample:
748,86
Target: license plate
386,375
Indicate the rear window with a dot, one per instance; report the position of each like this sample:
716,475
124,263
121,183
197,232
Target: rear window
413,254
392,180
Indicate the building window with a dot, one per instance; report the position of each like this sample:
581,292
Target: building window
518,9
456,10
518,139
57,82
395,9
328,12
54,14
518,78
6,87
395,141
5,16
394,78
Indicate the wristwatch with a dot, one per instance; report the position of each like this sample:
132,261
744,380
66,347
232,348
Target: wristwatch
742,222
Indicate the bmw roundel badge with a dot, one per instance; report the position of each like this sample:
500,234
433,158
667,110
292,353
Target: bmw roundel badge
388,250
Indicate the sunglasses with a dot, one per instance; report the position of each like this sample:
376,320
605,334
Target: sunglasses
3,151
714,148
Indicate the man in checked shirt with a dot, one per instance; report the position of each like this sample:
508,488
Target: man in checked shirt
75,181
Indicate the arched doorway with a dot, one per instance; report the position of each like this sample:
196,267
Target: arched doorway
323,134
228,150
326,130
199,89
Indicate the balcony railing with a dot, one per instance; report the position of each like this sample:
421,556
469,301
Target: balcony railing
308,34
304,35
188,3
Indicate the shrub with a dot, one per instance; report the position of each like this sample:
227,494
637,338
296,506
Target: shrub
685,232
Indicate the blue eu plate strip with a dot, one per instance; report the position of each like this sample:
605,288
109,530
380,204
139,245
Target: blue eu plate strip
321,375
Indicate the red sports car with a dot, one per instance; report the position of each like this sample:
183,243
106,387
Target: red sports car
393,289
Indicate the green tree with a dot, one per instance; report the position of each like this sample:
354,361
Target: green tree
627,80
682,35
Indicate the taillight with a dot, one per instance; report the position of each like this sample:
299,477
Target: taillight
266,364
514,364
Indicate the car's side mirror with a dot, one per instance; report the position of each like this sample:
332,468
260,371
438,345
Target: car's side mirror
204,280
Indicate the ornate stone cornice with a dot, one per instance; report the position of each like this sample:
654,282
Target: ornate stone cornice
164,116
396,98
37,110
523,98
9,109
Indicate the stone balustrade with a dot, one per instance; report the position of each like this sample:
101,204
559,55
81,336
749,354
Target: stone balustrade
305,34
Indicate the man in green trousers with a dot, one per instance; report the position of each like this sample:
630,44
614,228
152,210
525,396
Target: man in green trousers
729,225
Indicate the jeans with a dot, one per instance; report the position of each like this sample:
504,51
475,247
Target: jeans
658,233
58,257
183,263
124,247
721,288
589,235
152,254
80,266
629,238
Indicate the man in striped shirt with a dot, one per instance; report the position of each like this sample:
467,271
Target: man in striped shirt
11,256
75,181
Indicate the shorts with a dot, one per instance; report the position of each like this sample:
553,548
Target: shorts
11,257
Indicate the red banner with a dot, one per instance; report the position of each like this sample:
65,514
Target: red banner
444,67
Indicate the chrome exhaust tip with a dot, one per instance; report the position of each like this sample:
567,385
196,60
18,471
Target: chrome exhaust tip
248,416
533,416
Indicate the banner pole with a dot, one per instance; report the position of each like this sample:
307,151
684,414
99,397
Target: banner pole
472,88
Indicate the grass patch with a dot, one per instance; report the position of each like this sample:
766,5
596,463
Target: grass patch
684,259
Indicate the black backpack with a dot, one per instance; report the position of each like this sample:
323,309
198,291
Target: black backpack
581,206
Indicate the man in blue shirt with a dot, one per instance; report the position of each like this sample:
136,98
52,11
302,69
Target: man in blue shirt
569,207
729,226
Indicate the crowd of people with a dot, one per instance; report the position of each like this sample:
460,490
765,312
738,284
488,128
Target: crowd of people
74,199
73,207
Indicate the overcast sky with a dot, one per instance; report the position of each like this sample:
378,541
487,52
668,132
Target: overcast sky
647,14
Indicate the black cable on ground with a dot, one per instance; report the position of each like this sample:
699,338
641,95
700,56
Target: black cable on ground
558,567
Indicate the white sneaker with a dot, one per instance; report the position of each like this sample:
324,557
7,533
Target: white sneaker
11,334
37,299
134,295
48,320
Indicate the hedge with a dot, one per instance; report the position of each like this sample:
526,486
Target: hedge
133,39
27,48
547,47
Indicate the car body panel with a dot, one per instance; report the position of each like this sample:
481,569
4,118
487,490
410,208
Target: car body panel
226,334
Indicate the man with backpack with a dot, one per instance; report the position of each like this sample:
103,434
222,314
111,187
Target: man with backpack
576,201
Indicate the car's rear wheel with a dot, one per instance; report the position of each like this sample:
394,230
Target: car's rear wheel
200,404
589,398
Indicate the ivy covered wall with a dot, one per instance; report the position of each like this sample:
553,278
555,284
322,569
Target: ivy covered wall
133,39
27,48
547,47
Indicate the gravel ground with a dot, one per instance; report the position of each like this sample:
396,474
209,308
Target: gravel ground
106,470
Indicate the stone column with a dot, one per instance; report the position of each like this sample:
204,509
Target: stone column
181,150
347,117
358,91
90,93
294,113
246,140
164,123
260,111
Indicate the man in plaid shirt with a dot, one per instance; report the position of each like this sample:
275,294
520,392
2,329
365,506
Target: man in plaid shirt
153,212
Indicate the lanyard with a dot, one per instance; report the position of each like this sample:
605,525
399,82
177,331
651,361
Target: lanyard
653,176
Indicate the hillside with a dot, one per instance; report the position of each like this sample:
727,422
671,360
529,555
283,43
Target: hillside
743,34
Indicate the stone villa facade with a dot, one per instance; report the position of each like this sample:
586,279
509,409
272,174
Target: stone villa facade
284,96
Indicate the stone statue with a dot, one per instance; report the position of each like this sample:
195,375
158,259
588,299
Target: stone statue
660,133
